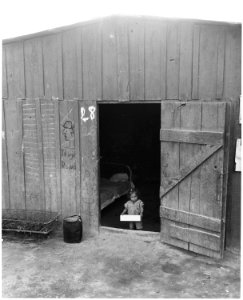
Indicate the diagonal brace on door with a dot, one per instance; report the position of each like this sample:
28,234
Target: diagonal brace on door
192,165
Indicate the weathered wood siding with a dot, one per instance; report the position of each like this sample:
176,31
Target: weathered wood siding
114,59
48,147
194,158
127,59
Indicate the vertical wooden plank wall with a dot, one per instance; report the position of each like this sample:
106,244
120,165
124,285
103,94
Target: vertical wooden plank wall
48,133
109,59
15,70
195,61
34,68
68,127
33,164
4,75
118,59
232,82
115,60
122,60
127,59
58,155
72,64
5,168
14,137
91,58
211,62
89,167
136,57
41,156
173,61
185,64
155,60
52,66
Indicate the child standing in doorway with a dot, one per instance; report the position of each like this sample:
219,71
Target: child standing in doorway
134,206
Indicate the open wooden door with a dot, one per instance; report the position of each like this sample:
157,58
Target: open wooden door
194,163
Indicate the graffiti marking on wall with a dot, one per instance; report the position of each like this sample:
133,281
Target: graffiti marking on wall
68,133
68,160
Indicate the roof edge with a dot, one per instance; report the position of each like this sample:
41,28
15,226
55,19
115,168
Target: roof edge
101,19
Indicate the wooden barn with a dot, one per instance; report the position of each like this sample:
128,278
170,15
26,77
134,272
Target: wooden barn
152,98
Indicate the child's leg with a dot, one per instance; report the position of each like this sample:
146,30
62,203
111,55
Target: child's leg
131,225
139,225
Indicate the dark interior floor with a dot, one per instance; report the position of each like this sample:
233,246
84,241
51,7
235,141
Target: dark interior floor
149,194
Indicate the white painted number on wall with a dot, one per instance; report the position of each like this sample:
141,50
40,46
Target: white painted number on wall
91,113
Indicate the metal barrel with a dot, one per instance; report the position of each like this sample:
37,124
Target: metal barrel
72,229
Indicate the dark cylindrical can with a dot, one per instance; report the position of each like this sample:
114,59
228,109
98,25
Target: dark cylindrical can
72,229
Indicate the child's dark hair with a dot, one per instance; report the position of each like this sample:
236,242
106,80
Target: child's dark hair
133,191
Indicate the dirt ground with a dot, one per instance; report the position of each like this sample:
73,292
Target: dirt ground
114,265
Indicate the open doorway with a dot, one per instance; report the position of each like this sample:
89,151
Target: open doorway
129,144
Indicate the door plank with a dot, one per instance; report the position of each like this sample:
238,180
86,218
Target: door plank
213,118
190,219
195,236
189,116
204,251
191,136
170,118
210,173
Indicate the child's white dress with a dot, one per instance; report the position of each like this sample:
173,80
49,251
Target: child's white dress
134,208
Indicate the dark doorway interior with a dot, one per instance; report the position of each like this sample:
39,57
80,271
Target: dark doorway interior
129,134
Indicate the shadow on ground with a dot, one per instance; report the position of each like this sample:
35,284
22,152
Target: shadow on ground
114,265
